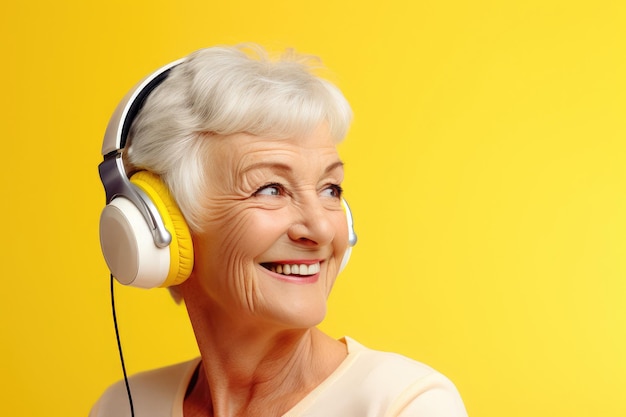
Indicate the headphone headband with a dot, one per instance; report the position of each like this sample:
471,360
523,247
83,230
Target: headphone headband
126,111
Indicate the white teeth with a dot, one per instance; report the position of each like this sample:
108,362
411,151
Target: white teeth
314,269
295,269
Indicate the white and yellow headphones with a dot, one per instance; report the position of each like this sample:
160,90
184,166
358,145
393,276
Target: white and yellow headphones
144,237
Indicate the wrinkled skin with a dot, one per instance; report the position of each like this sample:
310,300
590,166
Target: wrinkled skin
270,200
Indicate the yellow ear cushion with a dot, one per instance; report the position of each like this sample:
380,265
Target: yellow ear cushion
181,247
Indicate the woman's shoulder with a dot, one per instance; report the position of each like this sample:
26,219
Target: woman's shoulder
154,392
387,364
377,383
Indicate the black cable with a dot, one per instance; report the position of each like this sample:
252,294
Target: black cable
119,348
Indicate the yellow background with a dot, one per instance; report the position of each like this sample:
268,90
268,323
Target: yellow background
485,169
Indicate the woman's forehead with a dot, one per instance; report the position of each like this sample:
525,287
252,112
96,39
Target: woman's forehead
242,157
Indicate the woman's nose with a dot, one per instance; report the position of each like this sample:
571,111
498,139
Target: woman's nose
312,224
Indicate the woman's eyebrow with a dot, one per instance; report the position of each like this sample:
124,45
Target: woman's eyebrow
331,167
272,165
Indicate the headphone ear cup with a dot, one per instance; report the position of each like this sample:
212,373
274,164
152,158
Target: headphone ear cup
351,235
181,246
345,259
128,246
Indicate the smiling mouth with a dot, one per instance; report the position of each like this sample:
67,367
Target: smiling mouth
293,269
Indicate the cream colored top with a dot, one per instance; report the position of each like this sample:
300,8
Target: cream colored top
367,383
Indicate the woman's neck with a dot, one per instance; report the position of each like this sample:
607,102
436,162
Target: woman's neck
257,370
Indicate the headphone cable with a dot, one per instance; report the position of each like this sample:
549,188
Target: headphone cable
119,348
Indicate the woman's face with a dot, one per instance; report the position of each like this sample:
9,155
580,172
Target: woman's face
276,231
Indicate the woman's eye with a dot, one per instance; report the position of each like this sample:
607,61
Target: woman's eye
270,190
333,190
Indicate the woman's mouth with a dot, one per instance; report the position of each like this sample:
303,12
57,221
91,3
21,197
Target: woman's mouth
293,269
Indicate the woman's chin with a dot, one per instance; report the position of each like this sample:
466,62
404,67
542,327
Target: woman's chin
293,313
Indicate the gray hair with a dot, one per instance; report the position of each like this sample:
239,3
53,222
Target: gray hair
222,91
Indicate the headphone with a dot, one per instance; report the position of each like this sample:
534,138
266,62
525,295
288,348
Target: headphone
143,235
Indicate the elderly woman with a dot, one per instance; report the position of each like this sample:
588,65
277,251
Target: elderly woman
245,147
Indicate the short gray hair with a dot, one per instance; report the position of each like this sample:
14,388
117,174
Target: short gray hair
222,91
